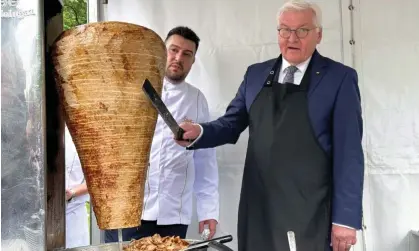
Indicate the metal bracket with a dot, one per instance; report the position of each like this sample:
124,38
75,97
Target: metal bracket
351,8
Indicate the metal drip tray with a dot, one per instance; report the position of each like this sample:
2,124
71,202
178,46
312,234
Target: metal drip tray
113,247
102,247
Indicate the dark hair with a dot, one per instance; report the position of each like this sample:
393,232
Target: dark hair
186,33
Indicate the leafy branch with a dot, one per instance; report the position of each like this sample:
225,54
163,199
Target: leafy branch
74,13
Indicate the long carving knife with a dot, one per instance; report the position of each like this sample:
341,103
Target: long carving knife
161,108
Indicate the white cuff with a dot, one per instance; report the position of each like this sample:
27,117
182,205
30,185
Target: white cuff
202,132
340,225
210,216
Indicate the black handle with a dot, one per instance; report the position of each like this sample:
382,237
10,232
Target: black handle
179,134
222,239
218,246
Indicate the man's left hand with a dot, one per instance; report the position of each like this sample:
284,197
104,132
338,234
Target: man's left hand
343,238
212,225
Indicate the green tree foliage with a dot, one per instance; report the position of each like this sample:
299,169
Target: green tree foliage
74,13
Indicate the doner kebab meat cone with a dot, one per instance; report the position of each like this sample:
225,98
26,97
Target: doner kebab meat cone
99,71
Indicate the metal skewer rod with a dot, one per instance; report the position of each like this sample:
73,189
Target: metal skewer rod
120,239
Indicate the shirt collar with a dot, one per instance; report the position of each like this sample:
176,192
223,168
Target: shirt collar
168,86
302,67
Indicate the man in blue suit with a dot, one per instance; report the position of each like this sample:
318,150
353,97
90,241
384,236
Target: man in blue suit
304,166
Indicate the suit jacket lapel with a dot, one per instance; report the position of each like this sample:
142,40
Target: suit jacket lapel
318,70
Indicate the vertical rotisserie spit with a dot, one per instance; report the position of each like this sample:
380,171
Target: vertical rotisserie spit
100,68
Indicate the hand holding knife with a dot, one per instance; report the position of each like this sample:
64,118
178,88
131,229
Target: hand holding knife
161,108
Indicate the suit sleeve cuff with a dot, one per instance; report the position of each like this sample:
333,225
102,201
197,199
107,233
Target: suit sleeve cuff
340,225
196,140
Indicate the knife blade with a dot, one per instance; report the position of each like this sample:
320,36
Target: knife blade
161,108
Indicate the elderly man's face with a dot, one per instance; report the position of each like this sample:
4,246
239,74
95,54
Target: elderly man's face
300,44
180,57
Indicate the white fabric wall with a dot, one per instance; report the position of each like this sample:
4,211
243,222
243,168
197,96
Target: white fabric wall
387,58
236,33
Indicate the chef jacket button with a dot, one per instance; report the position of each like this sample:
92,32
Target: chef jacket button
268,83
272,72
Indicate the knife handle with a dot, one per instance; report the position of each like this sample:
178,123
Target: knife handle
223,239
179,134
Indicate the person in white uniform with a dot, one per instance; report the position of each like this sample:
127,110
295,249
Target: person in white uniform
175,175
77,226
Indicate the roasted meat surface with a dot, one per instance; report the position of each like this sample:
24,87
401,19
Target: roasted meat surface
99,71
157,243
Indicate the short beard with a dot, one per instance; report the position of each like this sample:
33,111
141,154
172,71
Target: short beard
175,78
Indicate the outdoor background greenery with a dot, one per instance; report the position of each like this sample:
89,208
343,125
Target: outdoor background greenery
74,13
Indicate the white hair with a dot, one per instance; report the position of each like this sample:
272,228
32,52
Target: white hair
301,5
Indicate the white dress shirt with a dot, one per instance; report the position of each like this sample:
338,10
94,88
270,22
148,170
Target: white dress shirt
176,174
298,75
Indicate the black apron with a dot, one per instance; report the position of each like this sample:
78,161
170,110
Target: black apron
287,178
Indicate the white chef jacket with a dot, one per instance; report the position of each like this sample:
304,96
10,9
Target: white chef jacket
176,174
77,225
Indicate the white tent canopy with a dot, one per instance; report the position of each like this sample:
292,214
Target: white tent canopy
385,53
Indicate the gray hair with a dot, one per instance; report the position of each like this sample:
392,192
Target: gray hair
301,5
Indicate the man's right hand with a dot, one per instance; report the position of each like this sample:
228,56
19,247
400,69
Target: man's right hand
192,131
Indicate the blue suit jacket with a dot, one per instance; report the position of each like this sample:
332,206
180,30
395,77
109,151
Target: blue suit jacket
335,114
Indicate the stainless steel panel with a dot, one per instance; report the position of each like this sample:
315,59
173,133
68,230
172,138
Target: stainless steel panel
22,125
